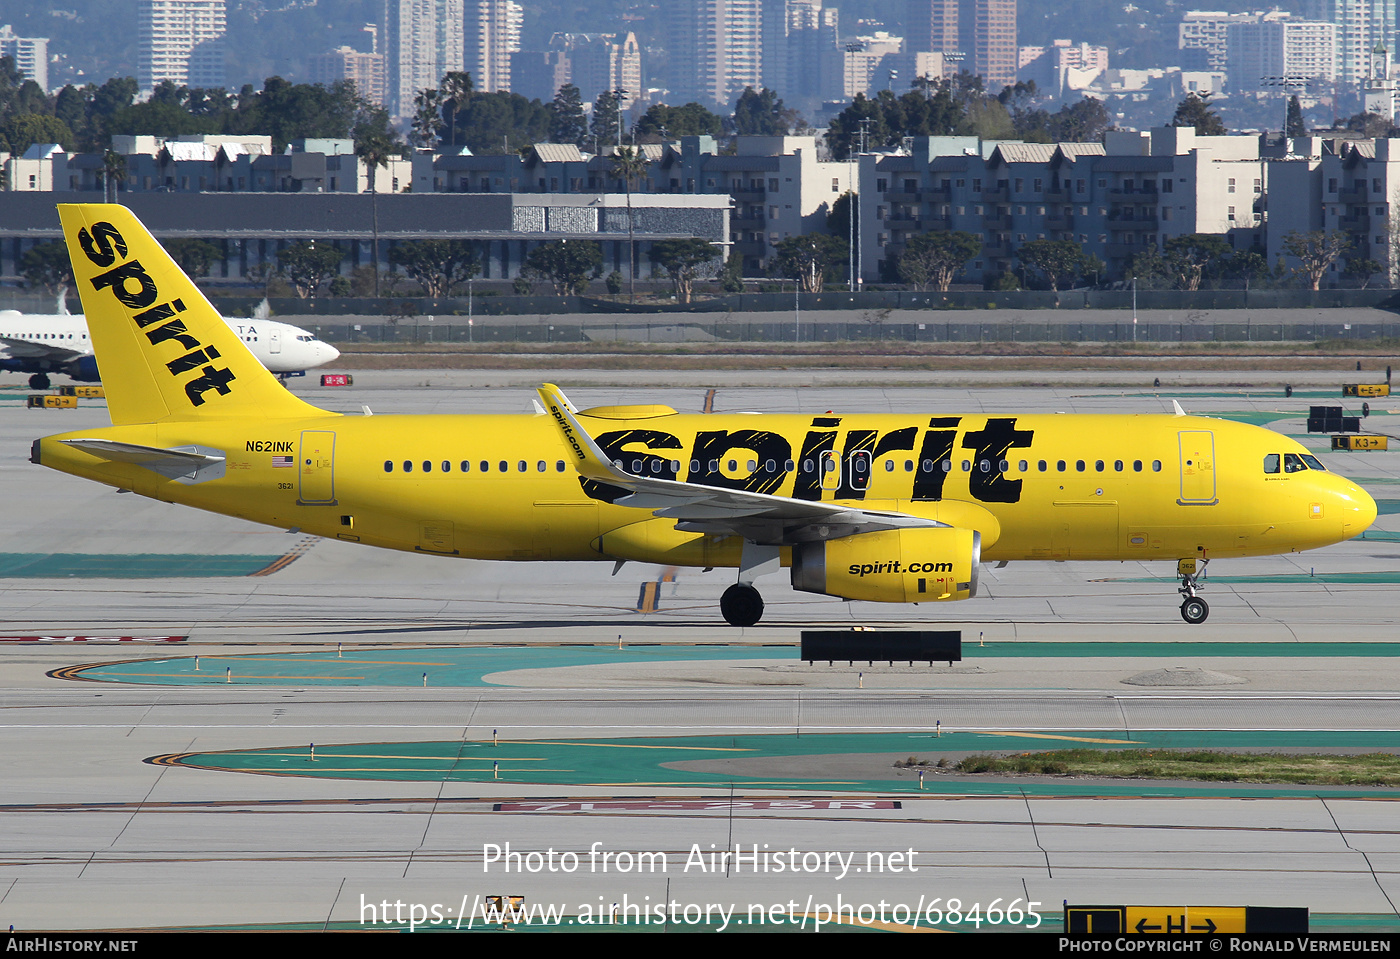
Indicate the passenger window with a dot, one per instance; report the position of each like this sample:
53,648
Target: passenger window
388,466
1271,463
1117,466
1098,466
1025,467
789,466
1044,466
927,466
908,466
771,465
889,466
485,466
1060,465
541,466
752,465
806,466
504,466
733,466
985,466
967,466
446,466
1293,463
1137,466
408,466
1156,466
695,466
559,466
522,466
1079,465
947,466
427,466
466,466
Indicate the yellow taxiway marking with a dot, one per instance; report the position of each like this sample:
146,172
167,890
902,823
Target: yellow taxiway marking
1068,739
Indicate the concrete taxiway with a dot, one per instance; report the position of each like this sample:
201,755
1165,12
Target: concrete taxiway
148,794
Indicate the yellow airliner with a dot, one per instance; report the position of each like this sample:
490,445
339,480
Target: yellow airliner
889,508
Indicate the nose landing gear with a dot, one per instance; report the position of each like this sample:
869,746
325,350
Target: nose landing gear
1193,609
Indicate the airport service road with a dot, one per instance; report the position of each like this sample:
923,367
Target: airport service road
93,835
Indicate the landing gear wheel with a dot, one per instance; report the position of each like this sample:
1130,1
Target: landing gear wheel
39,381
1194,610
741,605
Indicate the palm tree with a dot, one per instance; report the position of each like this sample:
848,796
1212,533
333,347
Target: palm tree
376,143
630,163
455,89
113,171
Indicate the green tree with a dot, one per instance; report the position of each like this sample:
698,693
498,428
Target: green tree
606,128
1192,258
47,265
1293,125
307,265
1316,252
1195,111
761,113
26,129
566,264
935,259
1084,122
437,265
1056,260
630,164
808,259
501,123
664,122
195,257
685,261
567,122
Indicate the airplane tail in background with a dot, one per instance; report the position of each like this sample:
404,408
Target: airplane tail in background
164,351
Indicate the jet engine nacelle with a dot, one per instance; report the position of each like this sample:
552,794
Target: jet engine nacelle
83,369
892,566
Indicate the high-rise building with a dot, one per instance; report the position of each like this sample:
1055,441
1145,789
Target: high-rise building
181,41
716,50
365,70
492,35
424,42
1361,25
30,55
1274,51
977,36
802,60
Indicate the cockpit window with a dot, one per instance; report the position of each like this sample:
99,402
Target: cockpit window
1271,463
1293,463
1313,462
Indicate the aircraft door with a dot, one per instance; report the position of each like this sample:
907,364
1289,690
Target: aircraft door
1197,468
316,468
274,341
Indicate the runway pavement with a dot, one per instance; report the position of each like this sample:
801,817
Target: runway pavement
120,807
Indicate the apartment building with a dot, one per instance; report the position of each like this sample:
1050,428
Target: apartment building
716,49
979,34
492,35
180,41
1115,200
29,54
424,41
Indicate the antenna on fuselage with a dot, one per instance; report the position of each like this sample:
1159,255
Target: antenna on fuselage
1177,407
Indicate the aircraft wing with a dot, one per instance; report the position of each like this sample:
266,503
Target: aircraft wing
758,517
29,350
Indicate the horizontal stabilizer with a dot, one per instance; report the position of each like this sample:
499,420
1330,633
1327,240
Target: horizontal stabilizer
184,464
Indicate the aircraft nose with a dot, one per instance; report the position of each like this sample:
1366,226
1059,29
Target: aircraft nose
325,352
1358,510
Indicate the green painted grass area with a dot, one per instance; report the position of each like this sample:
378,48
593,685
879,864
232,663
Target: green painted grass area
648,761
127,566
457,666
1387,507
1379,535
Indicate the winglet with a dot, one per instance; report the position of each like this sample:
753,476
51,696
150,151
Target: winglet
588,457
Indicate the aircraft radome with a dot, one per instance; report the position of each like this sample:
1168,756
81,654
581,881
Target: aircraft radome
40,344
887,508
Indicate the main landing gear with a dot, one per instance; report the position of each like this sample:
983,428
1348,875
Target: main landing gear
39,381
741,605
1193,609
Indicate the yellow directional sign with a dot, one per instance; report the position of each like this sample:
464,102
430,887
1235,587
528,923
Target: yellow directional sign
1183,920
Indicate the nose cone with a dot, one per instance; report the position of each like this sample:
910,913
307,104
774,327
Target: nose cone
1358,510
325,353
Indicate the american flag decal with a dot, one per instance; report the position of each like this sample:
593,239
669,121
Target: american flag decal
281,461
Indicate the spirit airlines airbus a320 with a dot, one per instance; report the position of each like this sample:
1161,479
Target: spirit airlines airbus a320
890,508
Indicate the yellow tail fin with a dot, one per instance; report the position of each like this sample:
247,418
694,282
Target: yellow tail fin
162,349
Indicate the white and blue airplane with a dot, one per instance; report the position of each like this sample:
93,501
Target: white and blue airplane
43,343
